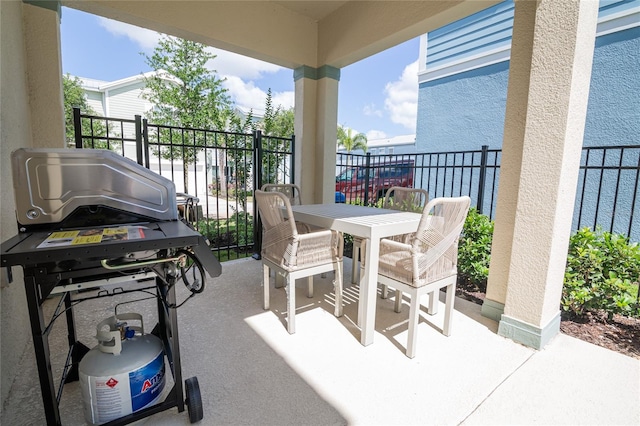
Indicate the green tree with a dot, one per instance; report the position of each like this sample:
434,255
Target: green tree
277,128
351,141
278,121
185,93
74,97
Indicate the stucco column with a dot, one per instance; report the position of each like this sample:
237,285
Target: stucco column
549,77
27,105
44,73
316,123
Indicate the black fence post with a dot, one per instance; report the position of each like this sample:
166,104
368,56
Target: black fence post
257,184
292,159
483,177
366,178
77,127
138,120
145,138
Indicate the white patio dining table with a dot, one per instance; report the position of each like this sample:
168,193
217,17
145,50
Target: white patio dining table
365,222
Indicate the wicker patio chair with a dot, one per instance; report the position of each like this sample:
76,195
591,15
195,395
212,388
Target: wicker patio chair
296,255
428,263
396,198
291,190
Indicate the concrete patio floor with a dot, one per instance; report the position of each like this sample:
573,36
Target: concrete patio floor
252,372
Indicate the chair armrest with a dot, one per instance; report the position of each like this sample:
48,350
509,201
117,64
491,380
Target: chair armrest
316,234
397,245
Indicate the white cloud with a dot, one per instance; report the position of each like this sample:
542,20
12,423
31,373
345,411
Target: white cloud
285,99
247,95
228,63
147,39
225,63
240,71
402,97
371,110
376,134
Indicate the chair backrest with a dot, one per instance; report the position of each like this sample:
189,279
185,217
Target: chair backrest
291,191
406,199
439,231
277,231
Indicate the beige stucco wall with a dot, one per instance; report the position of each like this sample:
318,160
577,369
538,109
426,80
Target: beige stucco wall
327,118
315,126
43,61
305,131
547,97
15,132
31,115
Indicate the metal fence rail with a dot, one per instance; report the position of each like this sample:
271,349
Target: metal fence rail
224,168
442,174
220,169
608,189
607,194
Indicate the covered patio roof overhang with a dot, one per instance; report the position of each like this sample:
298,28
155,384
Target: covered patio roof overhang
550,69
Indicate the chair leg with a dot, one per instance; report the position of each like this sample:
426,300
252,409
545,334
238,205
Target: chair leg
310,286
398,303
414,314
448,309
279,280
337,285
291,304
354,264
434,300
385,291
265,285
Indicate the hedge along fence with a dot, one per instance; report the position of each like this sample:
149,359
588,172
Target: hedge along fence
602,274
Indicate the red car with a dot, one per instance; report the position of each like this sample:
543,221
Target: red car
382,176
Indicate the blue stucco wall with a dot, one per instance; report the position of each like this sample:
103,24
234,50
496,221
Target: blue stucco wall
466,111
613,112
463,111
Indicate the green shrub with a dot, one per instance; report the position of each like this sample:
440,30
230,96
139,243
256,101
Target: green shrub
236,230
474,249
602,274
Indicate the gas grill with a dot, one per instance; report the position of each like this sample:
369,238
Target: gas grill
91,219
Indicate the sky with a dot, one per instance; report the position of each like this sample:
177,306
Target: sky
378,96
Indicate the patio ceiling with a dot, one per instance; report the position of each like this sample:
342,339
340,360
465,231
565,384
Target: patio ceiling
289,33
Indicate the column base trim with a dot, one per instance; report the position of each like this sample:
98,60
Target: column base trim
527,334
492,309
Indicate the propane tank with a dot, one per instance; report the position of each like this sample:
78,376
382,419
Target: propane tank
124,373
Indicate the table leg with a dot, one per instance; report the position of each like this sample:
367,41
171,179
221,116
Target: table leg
368,287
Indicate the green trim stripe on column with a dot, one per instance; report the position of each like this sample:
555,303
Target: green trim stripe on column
492,309
527,334
325,71
46,4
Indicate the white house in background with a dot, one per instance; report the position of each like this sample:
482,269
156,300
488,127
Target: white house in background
123,99
120,98
405,144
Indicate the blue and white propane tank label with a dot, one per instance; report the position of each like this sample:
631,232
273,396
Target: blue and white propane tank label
118,395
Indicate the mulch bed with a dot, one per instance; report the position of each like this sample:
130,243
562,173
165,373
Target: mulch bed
620,334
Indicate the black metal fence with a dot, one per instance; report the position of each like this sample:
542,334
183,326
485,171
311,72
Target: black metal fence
220,169
607,193
442,174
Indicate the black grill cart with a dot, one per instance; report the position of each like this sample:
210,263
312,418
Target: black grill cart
88,219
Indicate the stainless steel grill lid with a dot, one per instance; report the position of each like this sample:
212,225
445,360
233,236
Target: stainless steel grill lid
51,185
